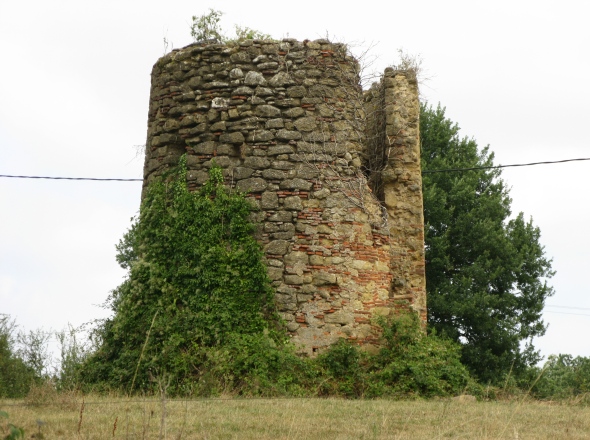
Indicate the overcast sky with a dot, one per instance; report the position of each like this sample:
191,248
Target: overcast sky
74,91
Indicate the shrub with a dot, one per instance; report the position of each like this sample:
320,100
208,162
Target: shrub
563,376
410,363
414,363
15,375
246,33
253,365
206,28
73,353
344,370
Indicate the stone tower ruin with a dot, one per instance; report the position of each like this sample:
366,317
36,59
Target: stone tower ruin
334,171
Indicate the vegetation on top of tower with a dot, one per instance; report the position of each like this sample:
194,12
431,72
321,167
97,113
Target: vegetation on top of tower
206,28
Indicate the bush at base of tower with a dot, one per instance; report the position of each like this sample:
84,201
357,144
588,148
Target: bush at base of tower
196,279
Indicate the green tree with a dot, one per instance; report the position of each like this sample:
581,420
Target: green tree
563,376
34,351
16,376
485,270
196,279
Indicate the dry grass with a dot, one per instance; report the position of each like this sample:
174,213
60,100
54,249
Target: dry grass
110,417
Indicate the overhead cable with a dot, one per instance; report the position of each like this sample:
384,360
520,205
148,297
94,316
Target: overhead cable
567,313
568,307
447,170
72,178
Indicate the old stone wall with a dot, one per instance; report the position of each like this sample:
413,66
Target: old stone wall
335,172
393,143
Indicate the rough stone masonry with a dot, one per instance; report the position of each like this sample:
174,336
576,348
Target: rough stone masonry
334,171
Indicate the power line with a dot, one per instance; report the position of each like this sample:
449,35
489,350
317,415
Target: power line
568,307
567,313
447,170
72,178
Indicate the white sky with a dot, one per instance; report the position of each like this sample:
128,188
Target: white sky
74,90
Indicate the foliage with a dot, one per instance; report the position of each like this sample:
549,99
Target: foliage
26,363
345,369
246,33
412,63
253,365
563,376
206,28
73,353
410,363
196,279
33,350
15,375
485,271
14,432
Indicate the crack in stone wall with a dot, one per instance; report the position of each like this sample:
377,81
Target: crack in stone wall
334,172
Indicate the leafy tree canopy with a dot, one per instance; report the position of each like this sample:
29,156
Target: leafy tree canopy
485,270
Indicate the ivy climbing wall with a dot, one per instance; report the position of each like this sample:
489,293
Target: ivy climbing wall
334,171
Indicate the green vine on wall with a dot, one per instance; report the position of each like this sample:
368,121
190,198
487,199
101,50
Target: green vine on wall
196,279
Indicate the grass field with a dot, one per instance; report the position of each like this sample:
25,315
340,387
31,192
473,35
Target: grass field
109,417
